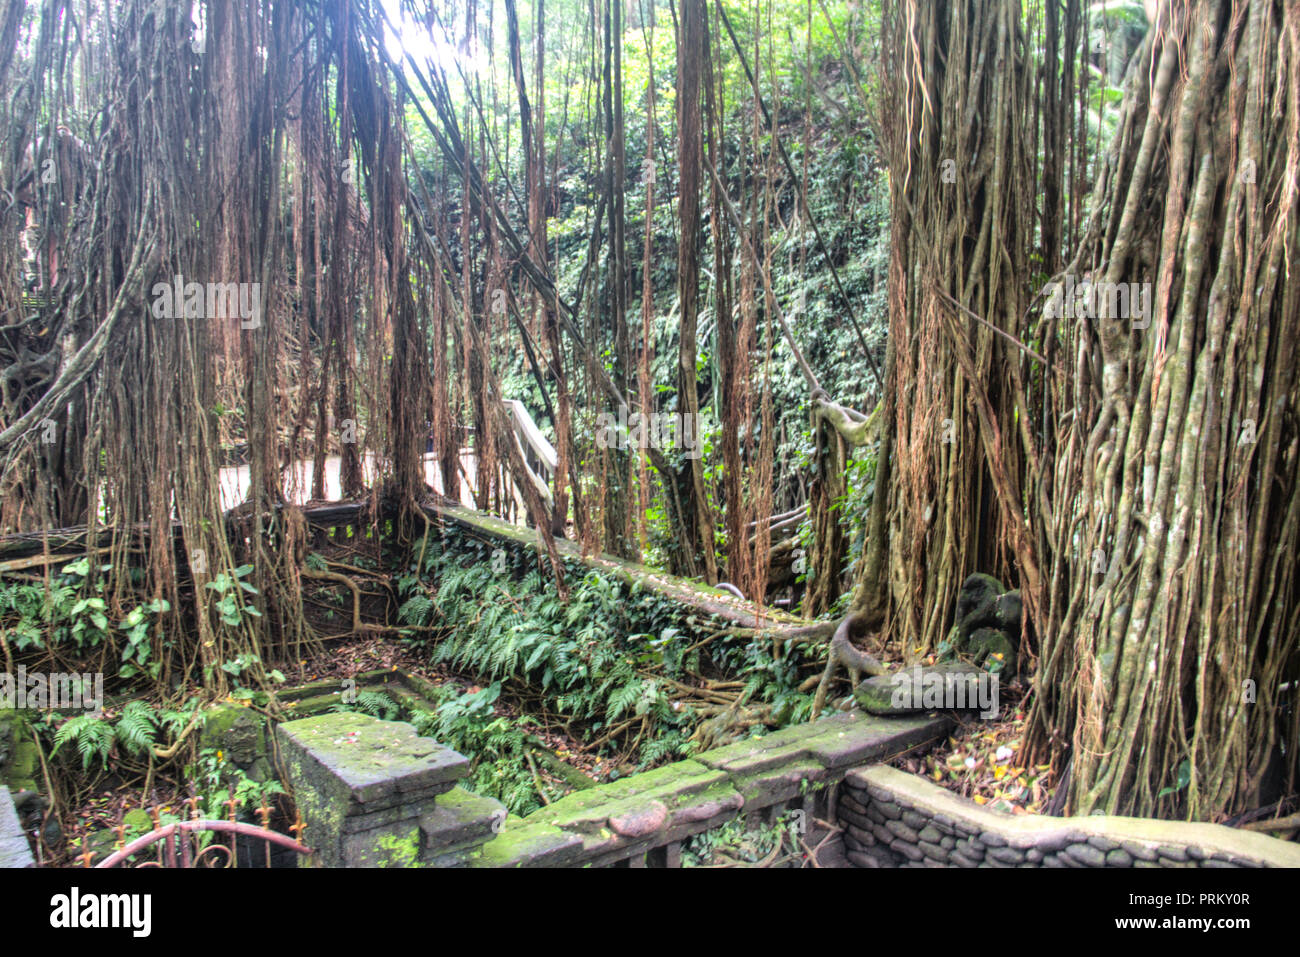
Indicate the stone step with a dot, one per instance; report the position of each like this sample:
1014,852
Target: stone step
460,822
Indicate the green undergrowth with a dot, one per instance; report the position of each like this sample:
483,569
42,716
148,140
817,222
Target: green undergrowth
621,667
742,843
498,746
68,615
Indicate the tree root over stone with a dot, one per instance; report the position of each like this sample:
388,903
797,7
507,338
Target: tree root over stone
843,652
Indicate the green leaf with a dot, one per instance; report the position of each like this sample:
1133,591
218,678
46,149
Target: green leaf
1183,778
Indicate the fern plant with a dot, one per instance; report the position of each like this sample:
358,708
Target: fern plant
498,745
586,654
135,730
374,703
92,735
603,656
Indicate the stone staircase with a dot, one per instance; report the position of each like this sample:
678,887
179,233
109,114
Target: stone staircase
374,794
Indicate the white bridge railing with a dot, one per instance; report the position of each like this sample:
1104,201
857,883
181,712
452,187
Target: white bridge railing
539,455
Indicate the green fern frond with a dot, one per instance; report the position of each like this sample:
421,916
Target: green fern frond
416,610
137,728
92,736
374,703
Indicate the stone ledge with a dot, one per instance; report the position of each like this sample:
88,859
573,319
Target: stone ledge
360,818
1149,838
461,821
529,845
626,818
362,785
369,788
14,850
378,764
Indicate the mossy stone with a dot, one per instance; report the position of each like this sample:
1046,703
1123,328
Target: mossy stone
1007,610
894,694
261,771
976,604
239,732
992,650
21,764
137,822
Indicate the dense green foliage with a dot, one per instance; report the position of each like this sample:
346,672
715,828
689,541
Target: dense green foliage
613,663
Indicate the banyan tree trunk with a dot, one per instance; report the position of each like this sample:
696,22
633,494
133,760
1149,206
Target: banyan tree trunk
1172,624
962,181
695,554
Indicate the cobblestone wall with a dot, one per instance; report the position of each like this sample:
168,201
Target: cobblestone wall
895,819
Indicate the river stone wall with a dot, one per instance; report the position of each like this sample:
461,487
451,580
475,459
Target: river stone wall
895,819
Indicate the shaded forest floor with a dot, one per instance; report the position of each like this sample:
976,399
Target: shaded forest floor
983,760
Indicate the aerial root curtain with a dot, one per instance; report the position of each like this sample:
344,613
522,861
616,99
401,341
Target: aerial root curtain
1134,474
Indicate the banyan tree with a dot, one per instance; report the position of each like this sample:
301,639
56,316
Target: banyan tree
263,224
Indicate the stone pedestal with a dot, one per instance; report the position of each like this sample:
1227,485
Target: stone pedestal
368,791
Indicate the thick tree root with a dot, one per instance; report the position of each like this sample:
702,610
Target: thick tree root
843,652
